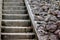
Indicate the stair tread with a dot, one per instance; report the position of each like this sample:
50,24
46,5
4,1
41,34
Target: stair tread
17,33
13,10
15,27
17,20
16,14
20,39
16,6
12,2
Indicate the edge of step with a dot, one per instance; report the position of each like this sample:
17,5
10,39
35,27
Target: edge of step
14,10
16,14
20,39
17,33
17,20
15,27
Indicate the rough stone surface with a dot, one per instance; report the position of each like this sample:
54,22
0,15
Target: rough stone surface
48,17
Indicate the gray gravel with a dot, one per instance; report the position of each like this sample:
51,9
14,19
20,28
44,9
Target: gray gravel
48,17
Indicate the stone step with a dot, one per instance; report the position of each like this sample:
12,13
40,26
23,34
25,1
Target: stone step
19,39
14,11
16,23
13,0
18,35
13,4
16,29
15,16
15,26
14,8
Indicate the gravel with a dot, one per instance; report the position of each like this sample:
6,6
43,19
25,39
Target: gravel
48,17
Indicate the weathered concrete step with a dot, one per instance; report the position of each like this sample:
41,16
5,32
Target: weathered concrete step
13,0
16,23
16,29
15,26
14,8
19,39
18,35
16,20
13,4
14,11
15,16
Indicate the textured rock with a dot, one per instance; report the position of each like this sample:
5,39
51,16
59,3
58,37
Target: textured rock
47,16
57,32
51,27
39,18
53,37
45,37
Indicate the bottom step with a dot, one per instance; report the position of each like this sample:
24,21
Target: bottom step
19,39
18,35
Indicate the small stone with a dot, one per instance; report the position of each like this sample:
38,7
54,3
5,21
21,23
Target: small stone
53,18
39,18
57,31
42,32
51,22
45,8
41,22
43,14
58,23
51,28
47,18
53,37
45,37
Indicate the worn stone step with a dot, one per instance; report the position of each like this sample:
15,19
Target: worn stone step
16,29
14,11
16,23
13,4
18,35
13,0
19,39
15,16
14,8
15,26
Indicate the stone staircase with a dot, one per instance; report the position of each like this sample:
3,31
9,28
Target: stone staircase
16,24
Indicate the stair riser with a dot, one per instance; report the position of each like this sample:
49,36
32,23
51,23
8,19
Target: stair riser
14,4
13,0
14,12
18,36
14,30
15,23
14,17
14,8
